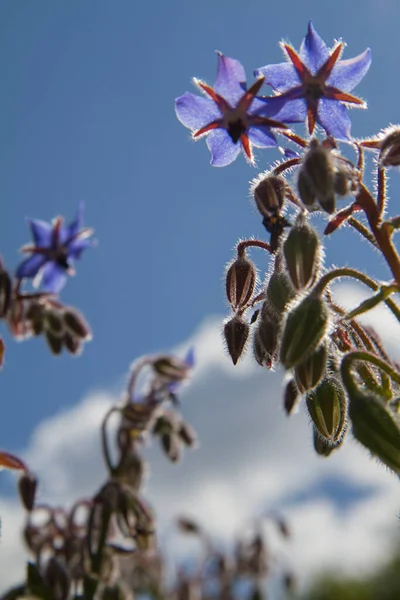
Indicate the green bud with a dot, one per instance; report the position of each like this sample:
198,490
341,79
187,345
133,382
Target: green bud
236,332
327,407
55,342
269,194
240,282
76,323
306,191
310,372
53,322
304,330
291,397
265,340
376,427
302,254
322,447
280,292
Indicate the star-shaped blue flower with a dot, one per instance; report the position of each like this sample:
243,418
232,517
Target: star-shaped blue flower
56,247
231,115
314,84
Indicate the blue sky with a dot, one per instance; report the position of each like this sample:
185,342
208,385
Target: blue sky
87,112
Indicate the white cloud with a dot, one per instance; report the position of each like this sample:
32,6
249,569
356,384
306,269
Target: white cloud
251,459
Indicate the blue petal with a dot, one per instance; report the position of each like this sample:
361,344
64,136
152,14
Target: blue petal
223,150
41,232
346,74
52,278
292,111
74,228
262,137
333,117
289,153
231,79
313,50
30,267
77,246
190,358
196,112
280,77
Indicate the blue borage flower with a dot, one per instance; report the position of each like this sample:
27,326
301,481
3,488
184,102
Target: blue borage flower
55,249
231,115
314,84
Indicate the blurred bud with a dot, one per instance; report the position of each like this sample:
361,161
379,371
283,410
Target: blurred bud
56,577
35,314
171,446
240,282
236,332
188,526
27,485
172,368
310,372
305,328
72,344
76,323
280,293
265,340
53,322
130,469
306,191
5,292
187,434
269,194
390,148
163,424
322,447
343,184
283,527
376,427
327,407
302,254
291,397
319,169
145,540
55,342
113,593
289,582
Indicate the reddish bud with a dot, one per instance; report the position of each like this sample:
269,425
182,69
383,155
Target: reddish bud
390,148
291,397
269,194
27,485
240,282
236,332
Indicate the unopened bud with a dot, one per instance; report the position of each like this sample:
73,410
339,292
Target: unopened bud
56,577
310,372
280,293
321,446
236,332
35,314
302,255
113,593
171,446
390,148
265,340
269,194
72,344
240,282
27,485
171,368
376,427
187,434
318,167
305,328
188,526
55,342
306,191
53,322
343,183
327,406
5,292
291,397
76,323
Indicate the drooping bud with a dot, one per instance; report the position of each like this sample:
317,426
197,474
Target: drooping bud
53,322
171,446
5,292
236,332
35,314
269,194
279,292
327,406
240,282
306,191
171,368
302,254
310,372
265,340
76,323
55,342
72,344
291,397
187,434
304,330
27,485
321,446
318,167
390,148
376,427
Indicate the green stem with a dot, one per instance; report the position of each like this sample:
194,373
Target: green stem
346,364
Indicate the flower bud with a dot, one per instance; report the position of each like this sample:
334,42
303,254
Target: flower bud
171,446
310,372
390,148
279,292
291,397
305,328
72,344
327,407
265,340
376,427
5,292
172,368
187,434
27,485
269,194
240,282
306,191
321,446
236,332
56,577
55,342
76,324
188,526
53,322
115,592
302,255
35,314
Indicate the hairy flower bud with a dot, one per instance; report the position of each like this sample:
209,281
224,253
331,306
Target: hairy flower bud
27,485
76,324
305,328
280,293
35,314
327,406
236,332
269,194
240,282
187,434
55,342
302,254
310,372
306,191
5,292
390,148
376,427
291,397
265,340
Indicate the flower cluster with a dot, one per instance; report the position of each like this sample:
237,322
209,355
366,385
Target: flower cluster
313,86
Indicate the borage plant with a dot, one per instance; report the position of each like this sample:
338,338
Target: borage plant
337,366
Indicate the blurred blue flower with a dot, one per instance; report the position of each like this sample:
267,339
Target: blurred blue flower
231,116
314,84
56,247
